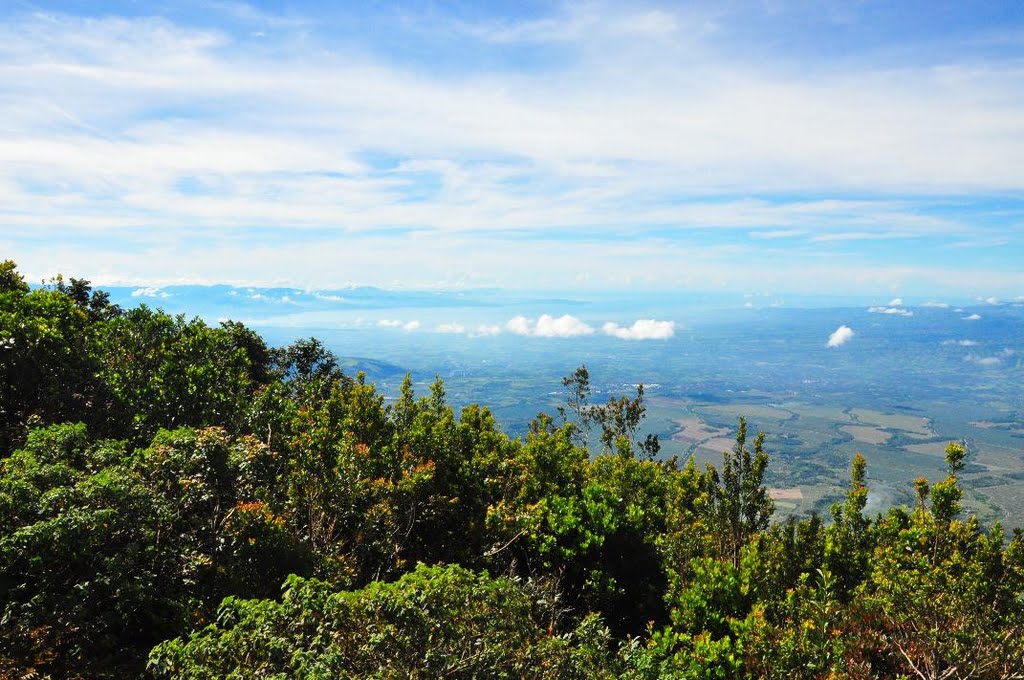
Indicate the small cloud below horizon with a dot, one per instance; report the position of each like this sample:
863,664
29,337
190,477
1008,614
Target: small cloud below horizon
961,343
547,326
972,317
397,323
840,336
895,310
485,330
989,360
642,329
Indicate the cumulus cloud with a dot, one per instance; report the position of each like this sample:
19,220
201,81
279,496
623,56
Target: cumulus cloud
900,311
992,300
937,305
896,302
642,329
972,317
451,328
840,336
411,325
562,327
547,326
150,292
519,325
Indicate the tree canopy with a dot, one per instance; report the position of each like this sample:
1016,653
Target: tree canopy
179,500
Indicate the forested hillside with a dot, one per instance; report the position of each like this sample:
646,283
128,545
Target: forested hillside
180,500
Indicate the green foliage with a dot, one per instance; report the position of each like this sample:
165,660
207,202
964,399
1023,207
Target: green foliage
167,372
619,418
160,479
739,499
48,360
104,554
433,622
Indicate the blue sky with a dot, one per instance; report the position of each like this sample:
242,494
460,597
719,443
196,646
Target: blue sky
768,148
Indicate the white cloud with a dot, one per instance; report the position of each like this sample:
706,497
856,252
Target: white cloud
642,329
450,328
840,336
896,302
485,330
937,305
519,325
992,300
597,146
961,343
398,323
900,311
972,317
982,361
328,298
547,326
565,326
150,292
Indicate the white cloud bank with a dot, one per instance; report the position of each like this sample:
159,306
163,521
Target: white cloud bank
486,330
547,326
840,336
642,329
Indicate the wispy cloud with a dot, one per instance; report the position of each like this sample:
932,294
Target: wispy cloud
989,360
253,127
450,328
936,305
840,336
642,329
961,343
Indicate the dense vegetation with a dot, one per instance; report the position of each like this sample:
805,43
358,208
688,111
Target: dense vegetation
180,500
